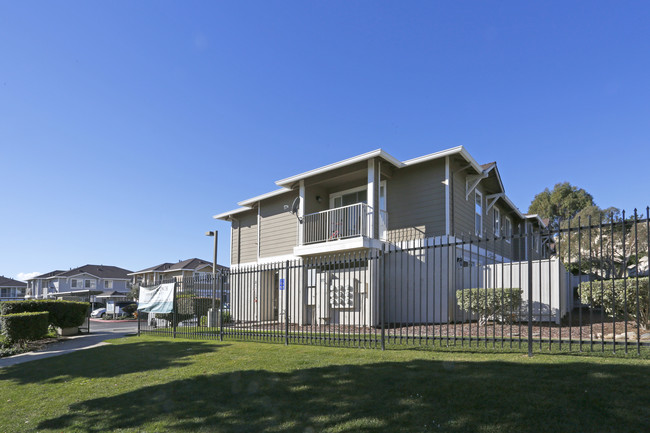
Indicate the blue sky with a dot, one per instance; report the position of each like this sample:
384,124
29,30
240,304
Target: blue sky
124,126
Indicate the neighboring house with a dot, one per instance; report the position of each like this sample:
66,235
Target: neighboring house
374,201
11,290
89,279
178,271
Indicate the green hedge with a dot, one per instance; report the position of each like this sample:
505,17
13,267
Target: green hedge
496,304
187,307
130,309
21,327
613,295
63,314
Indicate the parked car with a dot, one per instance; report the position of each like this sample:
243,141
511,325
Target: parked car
99,312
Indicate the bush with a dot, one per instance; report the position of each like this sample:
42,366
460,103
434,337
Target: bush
21,327
130,308
612,298
227,318
497,304
63,314
187,307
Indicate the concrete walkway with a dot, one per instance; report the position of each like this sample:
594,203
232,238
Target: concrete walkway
69,345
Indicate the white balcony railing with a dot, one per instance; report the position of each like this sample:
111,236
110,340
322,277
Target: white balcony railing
342,223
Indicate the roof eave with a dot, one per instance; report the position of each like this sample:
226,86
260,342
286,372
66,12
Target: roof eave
251,201
287,182
447,152
224,216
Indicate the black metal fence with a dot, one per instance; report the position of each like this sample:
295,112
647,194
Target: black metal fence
579,285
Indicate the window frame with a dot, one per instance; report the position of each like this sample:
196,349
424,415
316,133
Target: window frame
478,231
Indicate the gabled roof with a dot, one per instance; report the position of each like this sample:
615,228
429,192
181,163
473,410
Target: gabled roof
538,219
254,200
99,271
48,275
290,182
225,215
189,264
10,282
378,153
184,265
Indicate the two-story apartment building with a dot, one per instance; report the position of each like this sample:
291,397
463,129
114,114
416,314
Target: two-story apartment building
181,270
88,278
374,201
11,290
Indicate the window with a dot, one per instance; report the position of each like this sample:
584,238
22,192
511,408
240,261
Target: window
357,195
5,293
508,229
351,198
108,284
478,214
497,222
90,284
536,242
73,283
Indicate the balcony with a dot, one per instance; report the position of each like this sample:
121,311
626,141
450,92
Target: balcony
342,228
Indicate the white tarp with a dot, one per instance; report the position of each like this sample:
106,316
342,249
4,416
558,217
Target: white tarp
156,299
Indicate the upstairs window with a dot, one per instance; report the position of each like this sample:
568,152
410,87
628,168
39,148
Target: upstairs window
508,229
478,214
497,222
108,284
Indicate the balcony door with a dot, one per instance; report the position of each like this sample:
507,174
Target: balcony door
348,220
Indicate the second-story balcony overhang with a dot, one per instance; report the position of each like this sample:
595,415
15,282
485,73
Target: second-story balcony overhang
341,229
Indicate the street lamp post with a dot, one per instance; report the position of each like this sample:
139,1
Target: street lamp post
214,274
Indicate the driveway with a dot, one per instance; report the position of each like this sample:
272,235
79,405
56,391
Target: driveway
99,333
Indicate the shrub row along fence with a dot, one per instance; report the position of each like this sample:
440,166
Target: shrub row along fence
22,321
580,285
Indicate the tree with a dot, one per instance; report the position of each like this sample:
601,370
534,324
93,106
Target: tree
563,202
603,243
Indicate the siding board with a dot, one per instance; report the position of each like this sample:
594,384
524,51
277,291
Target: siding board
244,238
278,227
416,202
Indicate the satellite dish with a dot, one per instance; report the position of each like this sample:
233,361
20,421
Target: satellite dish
294,208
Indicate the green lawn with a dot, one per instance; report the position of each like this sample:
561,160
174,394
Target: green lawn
158,384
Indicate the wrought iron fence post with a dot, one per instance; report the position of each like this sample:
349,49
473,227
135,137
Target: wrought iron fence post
221,278
286,305
529,254
174,316
382,300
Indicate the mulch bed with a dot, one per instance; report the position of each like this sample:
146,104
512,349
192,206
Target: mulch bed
30,346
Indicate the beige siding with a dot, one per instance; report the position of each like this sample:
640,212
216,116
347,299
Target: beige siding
278,226
463,217
416,202
244,238
463,209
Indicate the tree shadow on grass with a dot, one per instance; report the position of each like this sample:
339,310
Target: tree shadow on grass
416,396
108,361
